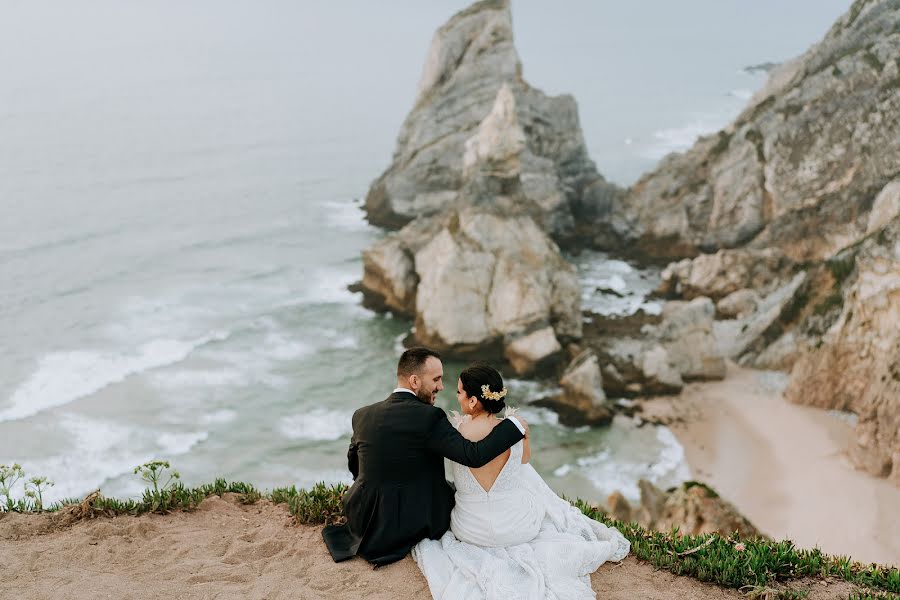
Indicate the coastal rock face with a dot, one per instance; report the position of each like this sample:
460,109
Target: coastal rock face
472,59
686,332
389,278
693,507
656,355
857,366
486,280
799,169
738,304
743,338
723,273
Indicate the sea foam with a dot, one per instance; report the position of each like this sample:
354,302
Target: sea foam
609,474
679,139
98,450
346,216
318,424
63,377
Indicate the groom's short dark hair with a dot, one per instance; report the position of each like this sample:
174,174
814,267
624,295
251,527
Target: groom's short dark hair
412,360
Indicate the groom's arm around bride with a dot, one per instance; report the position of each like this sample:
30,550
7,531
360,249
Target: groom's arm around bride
449,443
400,495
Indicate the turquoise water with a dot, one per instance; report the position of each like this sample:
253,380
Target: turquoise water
179,190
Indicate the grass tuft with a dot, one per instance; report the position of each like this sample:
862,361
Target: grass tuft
841,266
710,493
833,300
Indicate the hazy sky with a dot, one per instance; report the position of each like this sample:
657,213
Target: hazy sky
100,72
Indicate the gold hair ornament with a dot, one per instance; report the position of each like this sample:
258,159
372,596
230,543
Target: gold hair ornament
487,394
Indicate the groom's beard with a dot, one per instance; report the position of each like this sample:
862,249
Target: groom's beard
426,398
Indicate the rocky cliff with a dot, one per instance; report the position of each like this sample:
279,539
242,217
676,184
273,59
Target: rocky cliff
786,220
799,169
856,366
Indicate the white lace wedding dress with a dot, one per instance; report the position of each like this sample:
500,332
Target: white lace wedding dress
517,540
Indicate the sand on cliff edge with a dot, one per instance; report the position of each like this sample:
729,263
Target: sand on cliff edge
228,550
783,466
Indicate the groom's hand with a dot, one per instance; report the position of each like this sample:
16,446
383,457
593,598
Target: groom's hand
524,424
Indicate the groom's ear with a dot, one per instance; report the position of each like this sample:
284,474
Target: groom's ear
414,381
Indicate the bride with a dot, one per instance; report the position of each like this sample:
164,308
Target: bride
510,535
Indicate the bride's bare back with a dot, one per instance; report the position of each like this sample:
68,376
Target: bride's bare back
476,430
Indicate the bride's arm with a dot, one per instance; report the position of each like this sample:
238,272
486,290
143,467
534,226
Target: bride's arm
513,415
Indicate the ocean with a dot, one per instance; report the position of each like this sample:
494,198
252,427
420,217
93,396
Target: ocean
180,189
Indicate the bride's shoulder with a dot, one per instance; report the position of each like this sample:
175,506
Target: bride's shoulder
457,419
509,411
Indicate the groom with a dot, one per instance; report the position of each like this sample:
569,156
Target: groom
399,495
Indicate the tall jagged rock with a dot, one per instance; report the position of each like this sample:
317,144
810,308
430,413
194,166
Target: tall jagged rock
471,58
799,169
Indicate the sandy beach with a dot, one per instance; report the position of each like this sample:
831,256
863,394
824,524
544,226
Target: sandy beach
784,466
229,550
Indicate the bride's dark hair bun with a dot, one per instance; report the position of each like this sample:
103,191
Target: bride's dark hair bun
480,374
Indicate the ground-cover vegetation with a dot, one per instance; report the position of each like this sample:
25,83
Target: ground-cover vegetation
760,567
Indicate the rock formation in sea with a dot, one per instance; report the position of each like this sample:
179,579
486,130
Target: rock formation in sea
471,57
583,400
481,278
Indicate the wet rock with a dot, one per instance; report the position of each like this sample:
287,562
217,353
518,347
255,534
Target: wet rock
645,355
533,352
583,400
389,278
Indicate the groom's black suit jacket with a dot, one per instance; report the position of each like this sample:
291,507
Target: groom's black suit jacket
399,495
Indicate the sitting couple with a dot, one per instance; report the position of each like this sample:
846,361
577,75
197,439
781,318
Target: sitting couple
503,533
